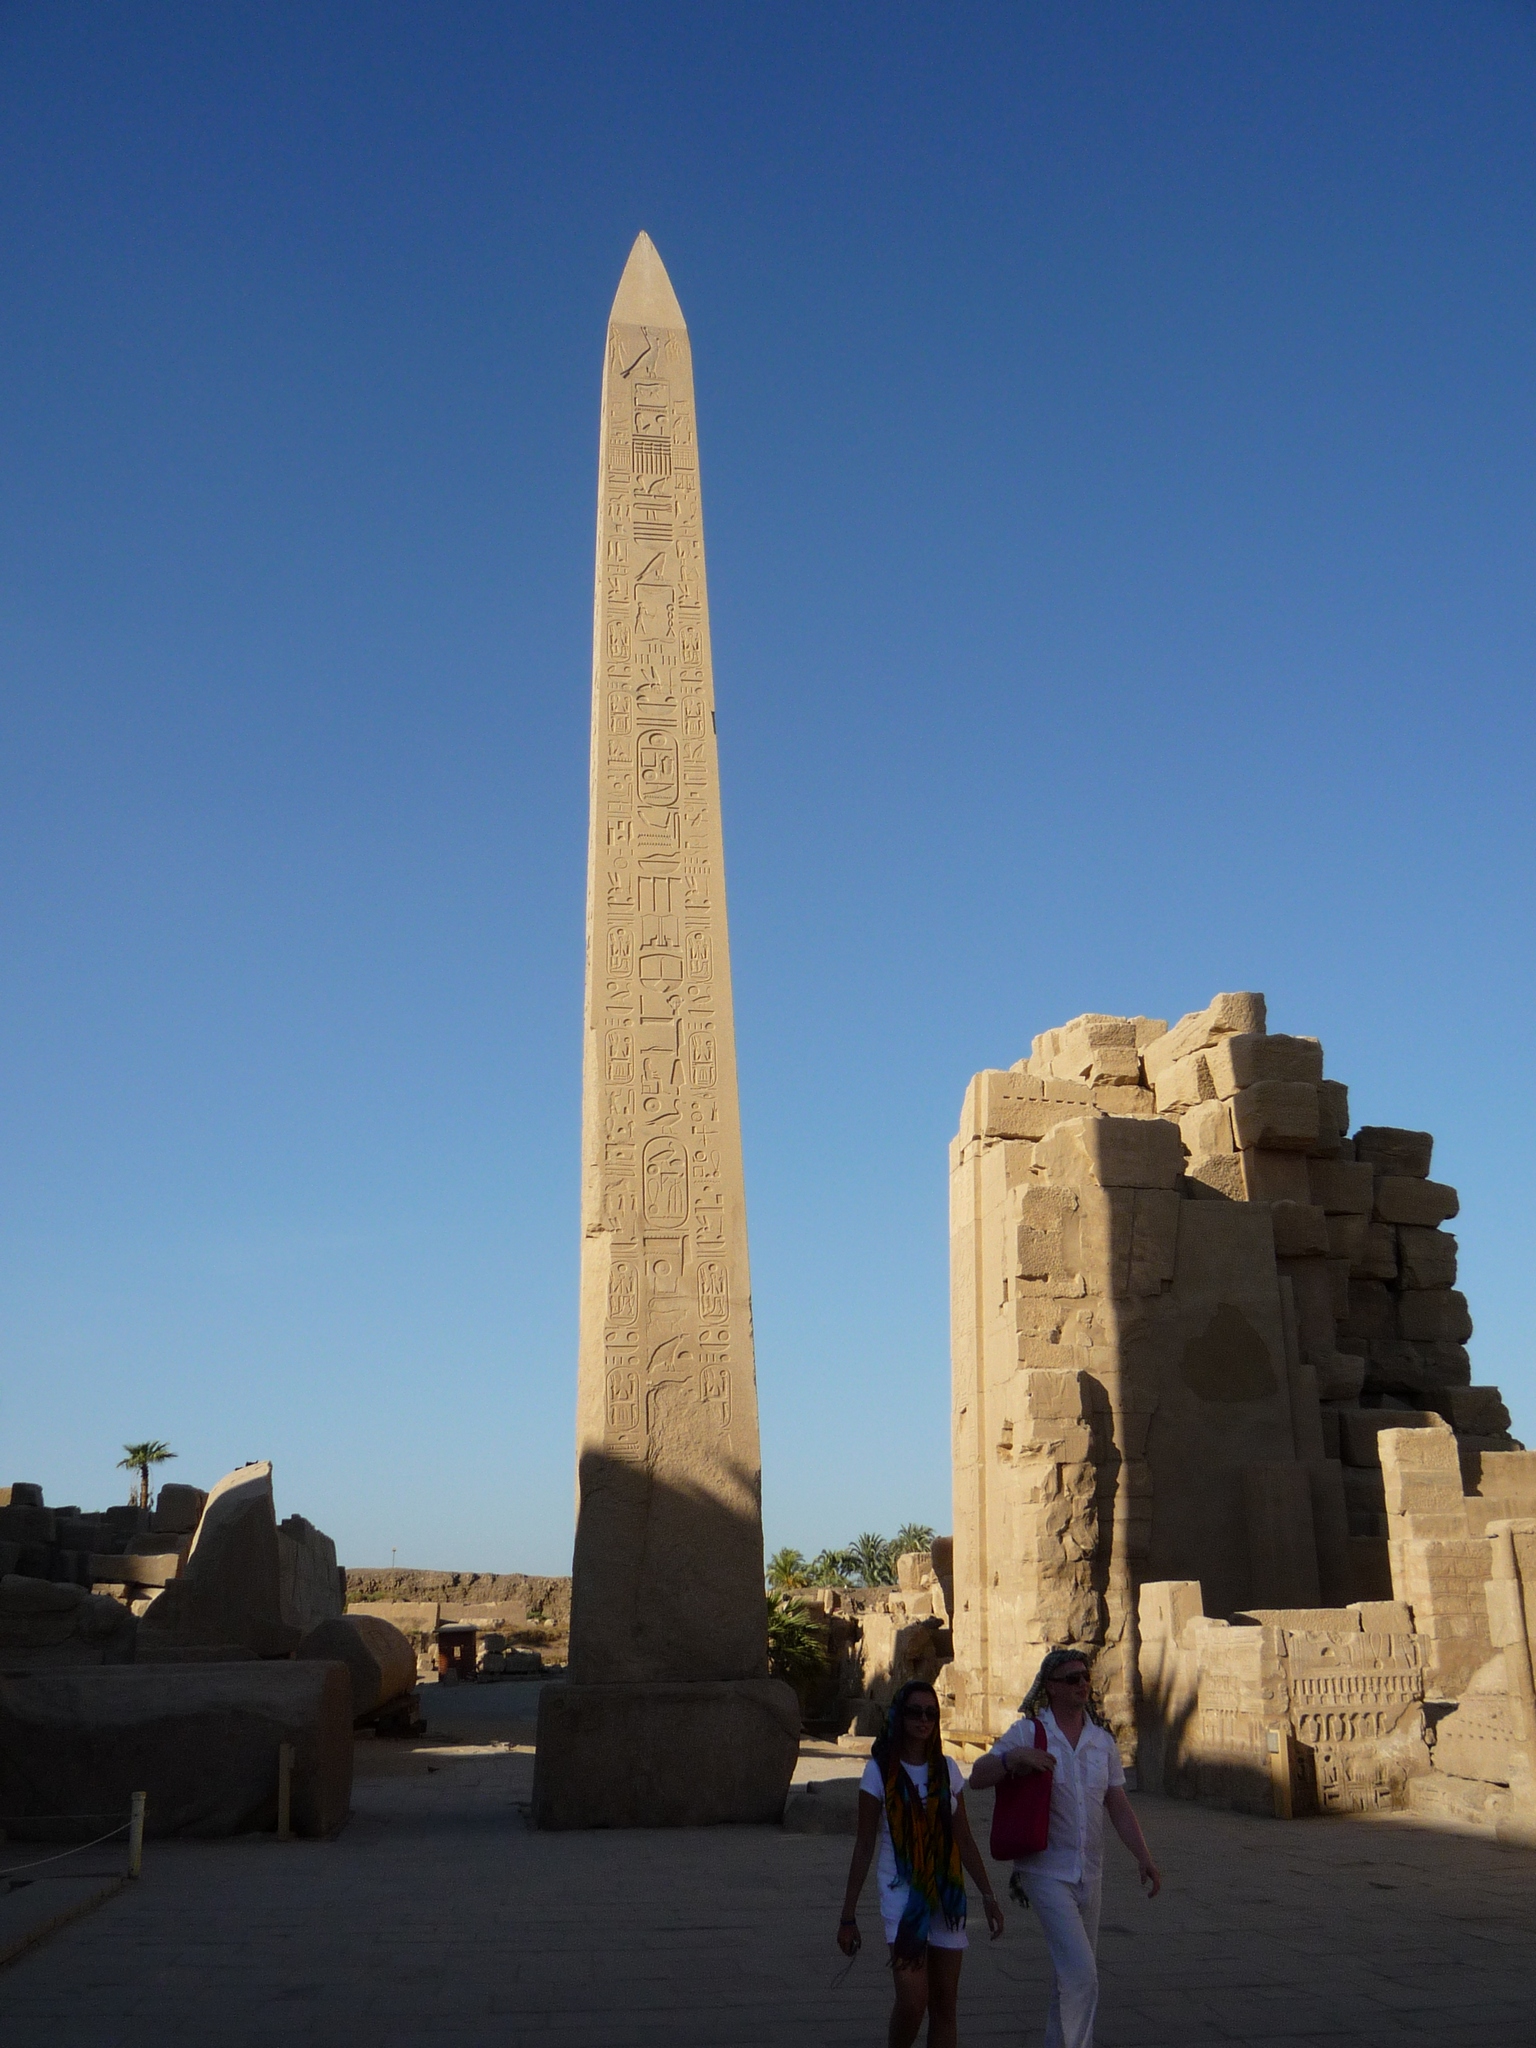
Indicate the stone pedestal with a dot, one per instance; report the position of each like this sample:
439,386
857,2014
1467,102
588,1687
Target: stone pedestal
664,1754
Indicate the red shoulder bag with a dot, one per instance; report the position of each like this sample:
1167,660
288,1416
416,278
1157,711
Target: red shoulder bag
1021,1815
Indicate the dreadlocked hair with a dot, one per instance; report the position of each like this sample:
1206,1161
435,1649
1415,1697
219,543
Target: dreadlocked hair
922,1831
1037,1698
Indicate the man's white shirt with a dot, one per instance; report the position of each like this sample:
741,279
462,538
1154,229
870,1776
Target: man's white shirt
1074,1848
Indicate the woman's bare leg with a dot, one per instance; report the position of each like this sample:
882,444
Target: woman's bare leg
911,2004
943,1995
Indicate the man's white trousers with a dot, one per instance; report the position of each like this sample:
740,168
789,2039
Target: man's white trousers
1069,1919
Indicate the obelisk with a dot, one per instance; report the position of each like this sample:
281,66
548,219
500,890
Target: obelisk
668,1716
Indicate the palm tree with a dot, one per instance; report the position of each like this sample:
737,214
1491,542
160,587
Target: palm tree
786,1569
873,1559
830,1568
912,1536
794,1645
139,1459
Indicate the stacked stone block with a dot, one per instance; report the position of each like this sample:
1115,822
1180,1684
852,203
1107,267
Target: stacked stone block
1185,1304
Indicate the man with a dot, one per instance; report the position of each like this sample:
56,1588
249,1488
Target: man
1062,1881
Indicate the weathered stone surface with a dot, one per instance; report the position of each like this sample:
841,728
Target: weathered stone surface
1432,1313
1222,1016
1114,1152
1247,1057
230,1587
1342,1186
1421,1202
1275,1177
664,1755
200,1739
1427,1258
667,1575
1300,1231
177,1510
380,1661
1391,1151
1377,1258
309,1585
46,1624
1479,1411
21,1493
1276,1116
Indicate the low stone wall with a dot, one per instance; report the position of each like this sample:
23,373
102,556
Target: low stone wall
459,1594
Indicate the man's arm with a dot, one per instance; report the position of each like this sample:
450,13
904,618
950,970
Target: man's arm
1012,1761
1123,1819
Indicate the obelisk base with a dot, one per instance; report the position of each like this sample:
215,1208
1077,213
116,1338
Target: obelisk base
670,1754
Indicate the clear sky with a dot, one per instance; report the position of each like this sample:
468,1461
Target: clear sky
1116,425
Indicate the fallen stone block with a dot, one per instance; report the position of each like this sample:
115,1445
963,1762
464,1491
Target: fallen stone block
128,1568
1394,1152
45,1623
829,1806
230,1589
201,1740
380,1661
1421,1202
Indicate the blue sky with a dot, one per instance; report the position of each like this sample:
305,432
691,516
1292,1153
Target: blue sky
1116,427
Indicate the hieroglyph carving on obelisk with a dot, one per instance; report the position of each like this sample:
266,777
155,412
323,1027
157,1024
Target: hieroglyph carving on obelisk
668,1568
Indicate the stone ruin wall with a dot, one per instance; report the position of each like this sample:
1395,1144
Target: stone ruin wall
1186,1302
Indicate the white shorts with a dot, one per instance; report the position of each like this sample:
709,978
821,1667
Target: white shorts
893,1903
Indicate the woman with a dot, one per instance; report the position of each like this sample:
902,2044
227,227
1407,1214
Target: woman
1062,1880
910,1799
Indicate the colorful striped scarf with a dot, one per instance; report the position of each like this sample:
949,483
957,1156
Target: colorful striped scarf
922,1836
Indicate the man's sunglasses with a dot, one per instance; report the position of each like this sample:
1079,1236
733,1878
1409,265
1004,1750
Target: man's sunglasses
1069,1678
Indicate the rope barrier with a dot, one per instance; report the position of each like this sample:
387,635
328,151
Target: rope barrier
79,1848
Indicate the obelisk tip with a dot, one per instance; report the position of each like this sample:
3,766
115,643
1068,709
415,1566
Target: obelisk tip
645,297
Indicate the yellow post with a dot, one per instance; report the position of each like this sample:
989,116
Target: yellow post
284,1789
136,1834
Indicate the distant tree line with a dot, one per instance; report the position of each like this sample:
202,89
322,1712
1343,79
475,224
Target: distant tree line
870,1560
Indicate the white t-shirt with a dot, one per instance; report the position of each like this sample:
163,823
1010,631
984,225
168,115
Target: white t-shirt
891,1886
1074,1849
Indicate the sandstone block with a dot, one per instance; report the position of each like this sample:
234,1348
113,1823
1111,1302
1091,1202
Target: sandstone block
1342,1186
1432,1313
1340,1377
1332,1116
380,1661
29,1525
1275,1177
21,1493
1018,1105
1453,1366
1346,1238
1114,1151
1182,1085
1378,1254
131,1569
1277,1116
1249,1057
1300,1231
1426,1258
1421,1202
1223,1015
1207,1131
200,1739
1477,1411
664,1754
230,1587
1360,1432
1223,1177
1372,1310
1116,1099
1395,1152
177,1510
